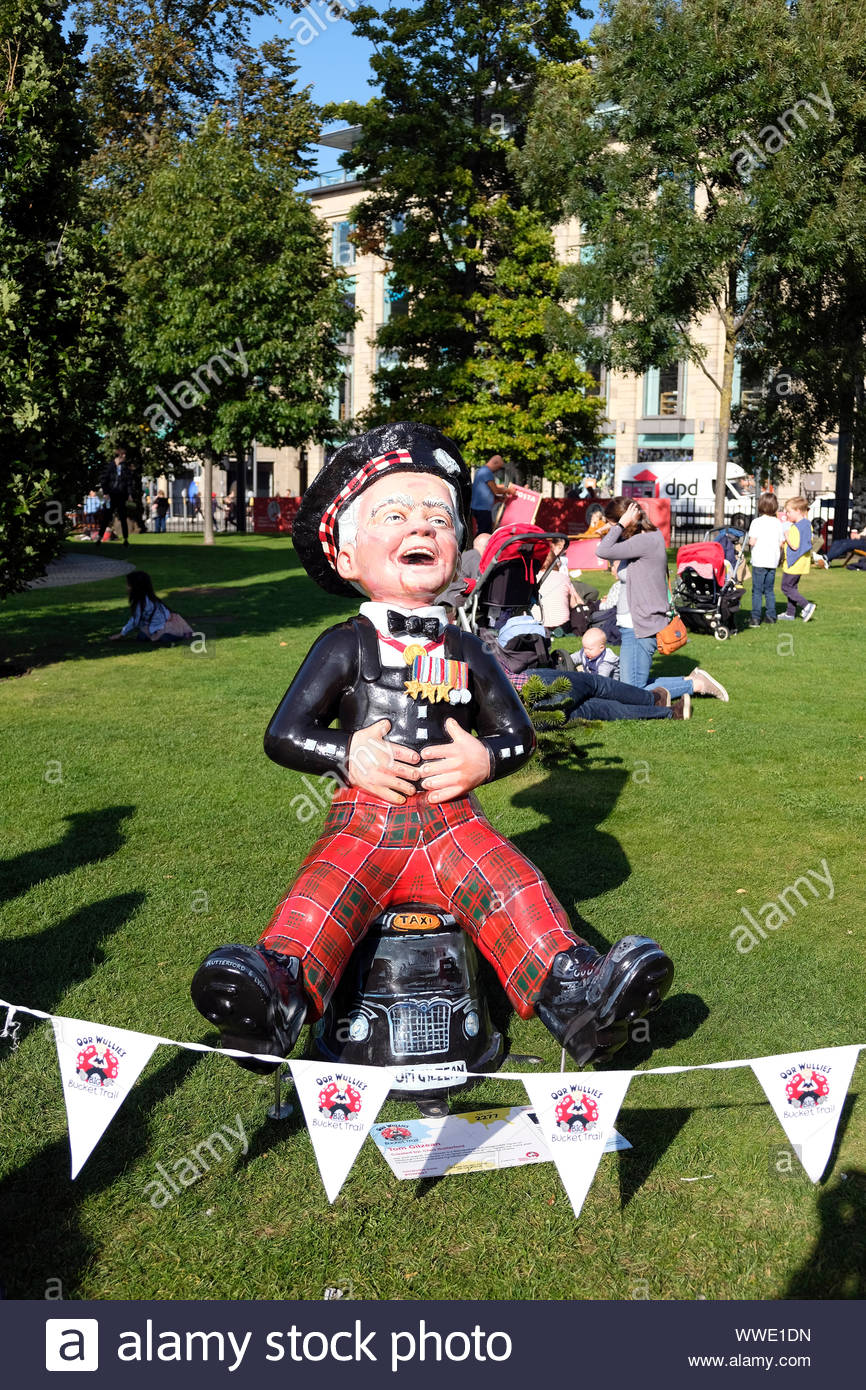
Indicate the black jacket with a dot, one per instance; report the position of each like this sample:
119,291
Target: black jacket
342,679
112,484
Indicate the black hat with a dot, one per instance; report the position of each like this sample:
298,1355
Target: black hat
397,448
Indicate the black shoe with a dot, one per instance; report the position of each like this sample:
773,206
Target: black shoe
255,998
765,619
754,622
588,1000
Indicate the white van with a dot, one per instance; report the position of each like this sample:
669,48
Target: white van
687,485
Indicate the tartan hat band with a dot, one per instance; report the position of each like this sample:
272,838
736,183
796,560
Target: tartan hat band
328,525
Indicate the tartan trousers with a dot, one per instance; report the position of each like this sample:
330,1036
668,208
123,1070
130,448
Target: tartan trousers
371,856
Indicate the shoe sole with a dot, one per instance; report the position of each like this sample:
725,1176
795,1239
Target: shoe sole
810,617
642,988
722,692
230,996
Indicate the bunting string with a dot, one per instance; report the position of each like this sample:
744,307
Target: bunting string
576,1111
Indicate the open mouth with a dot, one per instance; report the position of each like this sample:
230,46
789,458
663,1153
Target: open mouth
417,555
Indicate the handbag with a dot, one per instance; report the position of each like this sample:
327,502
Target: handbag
674,634
176,626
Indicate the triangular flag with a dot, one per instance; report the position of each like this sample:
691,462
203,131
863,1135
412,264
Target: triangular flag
99,1067
340,1106
807,1091
576,1116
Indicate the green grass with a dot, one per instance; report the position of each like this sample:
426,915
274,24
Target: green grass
166,795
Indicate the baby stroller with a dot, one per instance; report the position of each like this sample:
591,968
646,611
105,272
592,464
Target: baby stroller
733,543
508,582
706,595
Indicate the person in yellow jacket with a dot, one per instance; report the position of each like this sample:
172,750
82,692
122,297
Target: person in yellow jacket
797,559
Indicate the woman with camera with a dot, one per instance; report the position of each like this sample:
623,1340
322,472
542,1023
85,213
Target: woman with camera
643,606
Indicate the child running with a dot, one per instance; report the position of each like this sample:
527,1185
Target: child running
798,559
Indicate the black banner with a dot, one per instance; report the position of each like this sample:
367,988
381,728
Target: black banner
422,1345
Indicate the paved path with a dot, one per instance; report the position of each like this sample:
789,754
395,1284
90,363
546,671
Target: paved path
80,569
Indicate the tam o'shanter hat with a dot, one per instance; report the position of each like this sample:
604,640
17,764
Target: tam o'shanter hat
397,448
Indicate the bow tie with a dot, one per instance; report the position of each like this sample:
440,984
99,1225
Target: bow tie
413,626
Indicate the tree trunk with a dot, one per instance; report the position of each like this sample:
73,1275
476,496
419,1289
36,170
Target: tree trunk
207,499
724,426
843,459
241,487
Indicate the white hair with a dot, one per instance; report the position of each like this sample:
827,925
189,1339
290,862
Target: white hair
347,521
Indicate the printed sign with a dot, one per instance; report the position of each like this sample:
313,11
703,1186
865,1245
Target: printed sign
98,1067
340,1105
476,1141
436,1077
807,1091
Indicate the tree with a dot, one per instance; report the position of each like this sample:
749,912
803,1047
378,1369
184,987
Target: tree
456,79
656,155
234,312
518,394
158,67
814,316
57,298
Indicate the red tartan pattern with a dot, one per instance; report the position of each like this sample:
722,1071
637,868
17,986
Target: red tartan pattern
328,524
371,855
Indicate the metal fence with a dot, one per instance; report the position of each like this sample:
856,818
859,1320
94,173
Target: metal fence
690,525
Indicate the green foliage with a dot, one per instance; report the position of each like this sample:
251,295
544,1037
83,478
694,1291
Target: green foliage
233,309
157,67
57,298
520,395
467,261
652,156
553,728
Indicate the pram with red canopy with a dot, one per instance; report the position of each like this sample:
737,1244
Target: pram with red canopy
706,595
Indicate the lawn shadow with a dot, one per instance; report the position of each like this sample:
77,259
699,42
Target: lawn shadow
579,860
679,1018
72,624
90,837
651,1133
44,1240
836,1267
37,970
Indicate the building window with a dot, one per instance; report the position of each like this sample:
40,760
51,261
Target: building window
599,374
395,303
664,390
348,288
342,250
342,399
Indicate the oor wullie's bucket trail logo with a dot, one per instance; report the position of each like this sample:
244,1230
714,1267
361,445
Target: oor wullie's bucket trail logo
807,1089
396,1134
97,1065
339,1101
577,1113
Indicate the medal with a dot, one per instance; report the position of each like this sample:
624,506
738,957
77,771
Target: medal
436,679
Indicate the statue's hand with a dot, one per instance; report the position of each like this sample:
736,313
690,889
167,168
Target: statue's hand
454,769
384,769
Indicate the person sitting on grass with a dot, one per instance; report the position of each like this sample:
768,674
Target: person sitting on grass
595,656
149,617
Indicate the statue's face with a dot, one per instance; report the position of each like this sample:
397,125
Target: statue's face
405,551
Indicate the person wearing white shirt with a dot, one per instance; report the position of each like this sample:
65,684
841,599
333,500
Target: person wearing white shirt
766,535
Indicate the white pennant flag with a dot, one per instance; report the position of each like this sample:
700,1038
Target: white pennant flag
576,1115
807,1091
99,1067
340,1106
